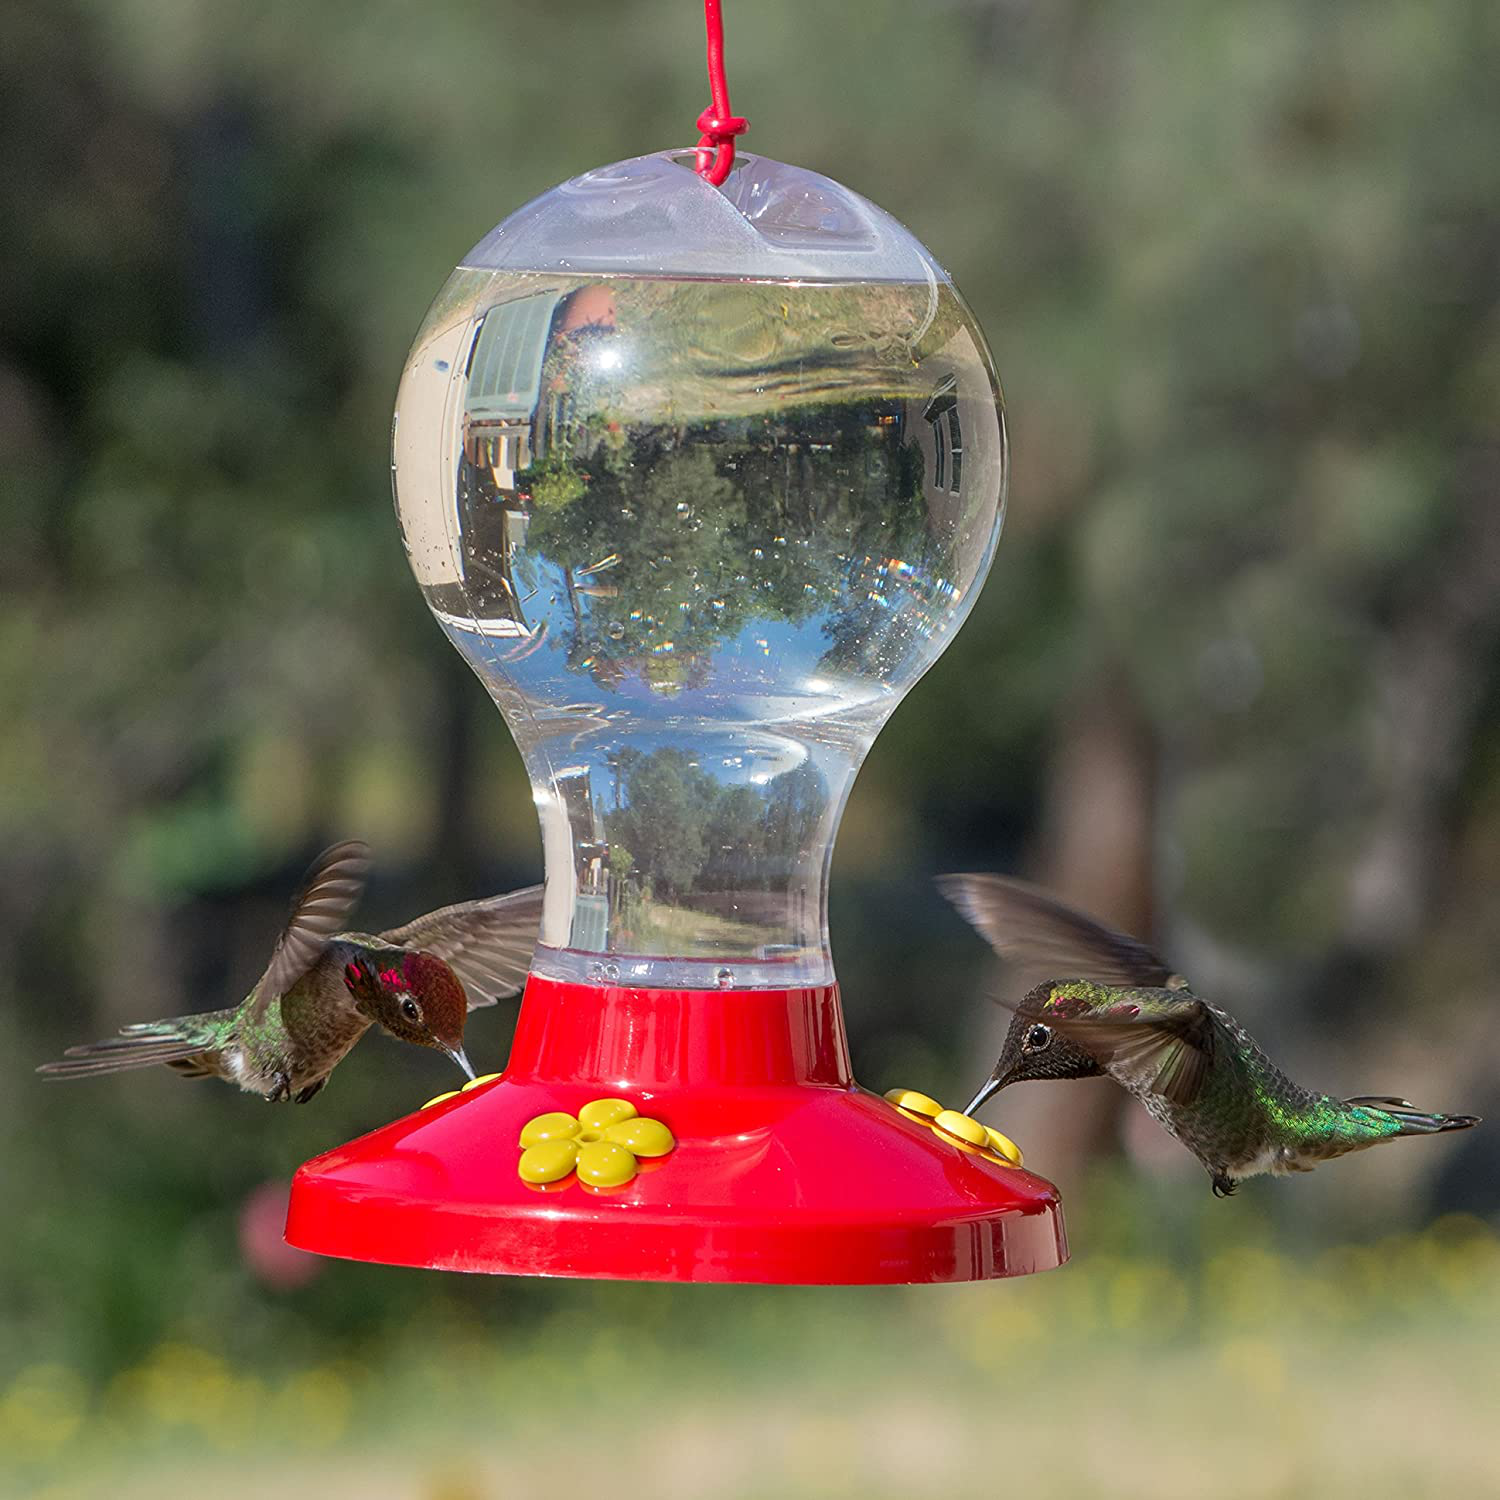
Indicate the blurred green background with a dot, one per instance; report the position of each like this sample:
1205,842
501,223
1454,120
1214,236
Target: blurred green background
1234,681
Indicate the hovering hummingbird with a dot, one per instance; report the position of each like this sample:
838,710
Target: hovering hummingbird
324,988
1121,1010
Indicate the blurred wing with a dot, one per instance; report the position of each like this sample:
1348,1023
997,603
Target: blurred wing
488,944
1160,1046
1039,935
333,885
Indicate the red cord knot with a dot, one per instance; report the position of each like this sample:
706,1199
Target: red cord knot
715,155
714,126
716,146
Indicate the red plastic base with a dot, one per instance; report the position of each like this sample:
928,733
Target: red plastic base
784,1170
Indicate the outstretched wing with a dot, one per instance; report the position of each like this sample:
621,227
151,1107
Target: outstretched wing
332,887
488,943
1041,936
1161,1053
1152,1042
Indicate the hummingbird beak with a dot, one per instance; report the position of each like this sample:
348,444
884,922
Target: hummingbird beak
990,1089
459,1057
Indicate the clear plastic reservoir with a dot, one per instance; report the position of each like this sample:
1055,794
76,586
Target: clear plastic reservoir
699,481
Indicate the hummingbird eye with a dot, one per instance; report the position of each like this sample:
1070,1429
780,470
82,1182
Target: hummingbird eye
410,1009
1038,1038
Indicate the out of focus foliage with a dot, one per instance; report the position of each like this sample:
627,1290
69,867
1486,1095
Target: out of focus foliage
1260,1362
1238,267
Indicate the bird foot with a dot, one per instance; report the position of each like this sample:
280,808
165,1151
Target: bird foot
303,1095
1224,1187
283,1090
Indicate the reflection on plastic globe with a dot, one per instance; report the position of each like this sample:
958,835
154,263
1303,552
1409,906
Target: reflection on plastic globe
699,482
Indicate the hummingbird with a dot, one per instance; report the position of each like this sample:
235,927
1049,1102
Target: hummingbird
325,987
1121,1010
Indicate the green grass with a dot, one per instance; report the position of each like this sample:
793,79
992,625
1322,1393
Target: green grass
1366,1371
657,926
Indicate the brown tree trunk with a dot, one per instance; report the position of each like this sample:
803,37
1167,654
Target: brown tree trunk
1095,849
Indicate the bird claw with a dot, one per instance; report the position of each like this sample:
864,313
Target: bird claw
1224,1187
282,1092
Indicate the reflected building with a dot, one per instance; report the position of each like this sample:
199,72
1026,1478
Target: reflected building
584,828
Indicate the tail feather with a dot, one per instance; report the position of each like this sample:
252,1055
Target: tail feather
127,1044
119,1054
1411,1120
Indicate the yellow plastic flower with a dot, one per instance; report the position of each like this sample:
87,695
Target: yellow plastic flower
600,1144
957,1129
473,1083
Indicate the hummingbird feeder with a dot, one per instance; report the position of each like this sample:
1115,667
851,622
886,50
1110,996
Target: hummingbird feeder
699,460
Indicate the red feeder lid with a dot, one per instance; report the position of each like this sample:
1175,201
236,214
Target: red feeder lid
783,1171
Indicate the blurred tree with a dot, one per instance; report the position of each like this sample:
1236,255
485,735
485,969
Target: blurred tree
666,809
1238,267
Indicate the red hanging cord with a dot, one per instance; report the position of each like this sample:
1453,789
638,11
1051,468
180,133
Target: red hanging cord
719,127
